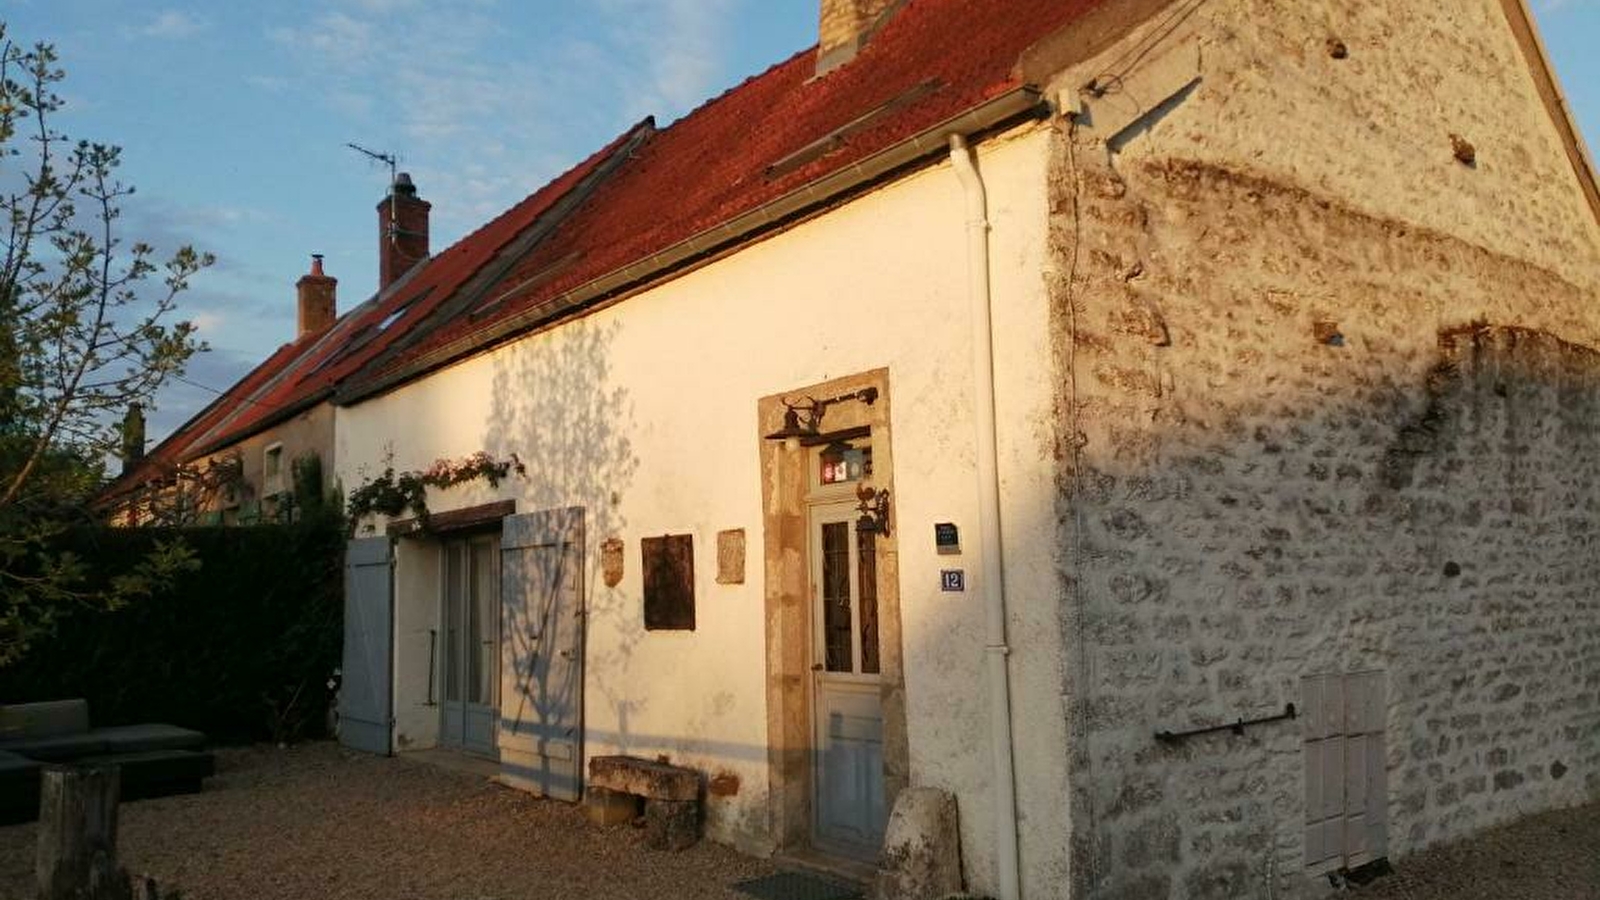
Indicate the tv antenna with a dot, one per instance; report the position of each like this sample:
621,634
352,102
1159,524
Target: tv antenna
389,160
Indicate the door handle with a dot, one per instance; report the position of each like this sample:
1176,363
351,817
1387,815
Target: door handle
816,667
433,651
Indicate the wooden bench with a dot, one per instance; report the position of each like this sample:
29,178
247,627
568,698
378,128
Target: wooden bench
671,796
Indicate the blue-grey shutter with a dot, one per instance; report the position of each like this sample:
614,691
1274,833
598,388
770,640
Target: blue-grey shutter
541,656
365,692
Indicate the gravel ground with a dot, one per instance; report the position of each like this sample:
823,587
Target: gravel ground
315,821
1550,856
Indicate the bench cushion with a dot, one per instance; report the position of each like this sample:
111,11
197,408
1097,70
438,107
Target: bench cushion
139,738
644,778
57,749
51,718
157,765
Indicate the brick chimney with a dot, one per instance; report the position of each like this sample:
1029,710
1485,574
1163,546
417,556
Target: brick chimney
319,304
132,437
846,26
402,230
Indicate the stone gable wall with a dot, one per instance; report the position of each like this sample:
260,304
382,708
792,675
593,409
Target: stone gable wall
1329,404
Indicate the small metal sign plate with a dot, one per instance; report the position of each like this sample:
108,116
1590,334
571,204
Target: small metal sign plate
947,538
952,580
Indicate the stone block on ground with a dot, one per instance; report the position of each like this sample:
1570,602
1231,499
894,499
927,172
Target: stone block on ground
921,847
645,778
607,808
671,824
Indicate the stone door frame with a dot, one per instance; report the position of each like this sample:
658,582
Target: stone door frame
790,729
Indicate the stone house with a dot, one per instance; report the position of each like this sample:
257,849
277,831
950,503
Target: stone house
234,462
1165,427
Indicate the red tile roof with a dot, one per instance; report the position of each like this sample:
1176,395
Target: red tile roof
776,132
932,61
303,373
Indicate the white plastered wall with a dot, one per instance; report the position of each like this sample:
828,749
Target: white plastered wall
644,414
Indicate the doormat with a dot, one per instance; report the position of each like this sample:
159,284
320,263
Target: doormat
798,886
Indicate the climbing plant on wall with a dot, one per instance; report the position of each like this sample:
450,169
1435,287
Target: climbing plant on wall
393,493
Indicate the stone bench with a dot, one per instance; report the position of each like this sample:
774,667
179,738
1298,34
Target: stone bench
671,796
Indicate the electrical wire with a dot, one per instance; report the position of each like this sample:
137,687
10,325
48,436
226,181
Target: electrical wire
1102,84
207,387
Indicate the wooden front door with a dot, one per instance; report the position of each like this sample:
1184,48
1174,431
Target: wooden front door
848,807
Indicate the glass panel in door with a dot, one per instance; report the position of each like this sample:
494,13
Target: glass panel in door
838,601
482,650
470,600
452,711
452,621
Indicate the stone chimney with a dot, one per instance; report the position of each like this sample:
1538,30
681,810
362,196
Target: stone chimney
132,437
319,304
402,230
845,28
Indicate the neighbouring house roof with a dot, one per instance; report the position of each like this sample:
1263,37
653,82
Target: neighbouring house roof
771,136
303,373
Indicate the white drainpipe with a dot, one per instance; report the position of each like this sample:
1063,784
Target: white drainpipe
992,581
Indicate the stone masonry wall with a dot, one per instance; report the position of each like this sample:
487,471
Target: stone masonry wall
1310,428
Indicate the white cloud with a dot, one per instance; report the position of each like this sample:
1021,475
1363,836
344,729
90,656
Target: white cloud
384,6
332,40
350,104
676,45
208,322
272,84
481,114
688,59
172,24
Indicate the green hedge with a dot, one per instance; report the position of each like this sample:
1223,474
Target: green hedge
240,649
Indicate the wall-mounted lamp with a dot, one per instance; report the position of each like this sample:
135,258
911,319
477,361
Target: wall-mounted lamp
792,431
795,429
874,508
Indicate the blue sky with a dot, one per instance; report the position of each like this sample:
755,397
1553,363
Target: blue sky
234,119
